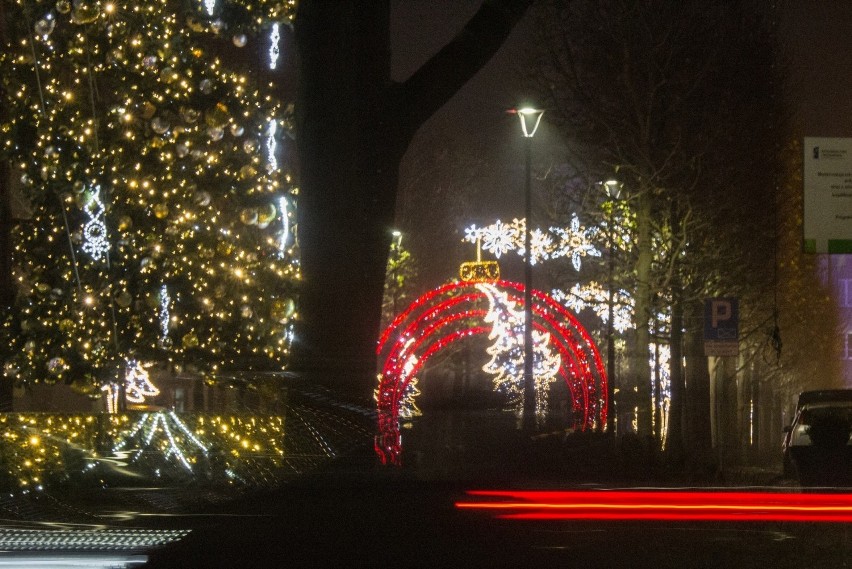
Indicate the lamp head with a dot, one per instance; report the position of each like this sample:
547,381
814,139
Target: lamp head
612,189
530,119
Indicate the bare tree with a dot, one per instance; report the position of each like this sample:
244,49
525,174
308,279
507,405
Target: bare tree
682,100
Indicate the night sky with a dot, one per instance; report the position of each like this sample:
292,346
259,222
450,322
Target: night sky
817,48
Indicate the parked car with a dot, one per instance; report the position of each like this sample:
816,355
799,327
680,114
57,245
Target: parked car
817,447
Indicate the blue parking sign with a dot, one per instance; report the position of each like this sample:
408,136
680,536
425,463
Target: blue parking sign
721,326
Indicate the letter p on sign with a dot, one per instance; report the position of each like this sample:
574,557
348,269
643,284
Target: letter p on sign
721,319
720,311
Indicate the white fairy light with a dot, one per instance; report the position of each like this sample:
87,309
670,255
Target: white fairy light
274,49
285,229
271,145
165,300
95,241
210,6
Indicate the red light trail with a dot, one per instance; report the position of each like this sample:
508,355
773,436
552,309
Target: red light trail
666,505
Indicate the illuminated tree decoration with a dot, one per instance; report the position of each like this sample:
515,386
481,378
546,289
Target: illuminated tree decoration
408,406
271,145
132,96
165,301
507,351
274,47
95,240
137,386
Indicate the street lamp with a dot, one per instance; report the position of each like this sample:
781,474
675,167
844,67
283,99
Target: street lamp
530,119
612,188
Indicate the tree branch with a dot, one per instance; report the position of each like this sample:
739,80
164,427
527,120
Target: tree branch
437,80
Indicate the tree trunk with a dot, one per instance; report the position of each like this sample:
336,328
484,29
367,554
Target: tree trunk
640,368
349,159
674,441
697,432
353,127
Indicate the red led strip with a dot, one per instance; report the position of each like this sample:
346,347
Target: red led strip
663,505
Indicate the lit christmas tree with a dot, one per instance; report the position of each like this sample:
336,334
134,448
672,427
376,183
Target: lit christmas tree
159,223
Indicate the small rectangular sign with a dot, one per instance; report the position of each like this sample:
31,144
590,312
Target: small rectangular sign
827,190
721,326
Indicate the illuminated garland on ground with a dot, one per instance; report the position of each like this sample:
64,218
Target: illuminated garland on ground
156,423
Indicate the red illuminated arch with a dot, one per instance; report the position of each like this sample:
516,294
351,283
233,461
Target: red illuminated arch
455,311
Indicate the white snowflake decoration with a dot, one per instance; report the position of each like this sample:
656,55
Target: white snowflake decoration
500,238
594,297
575,242
541,245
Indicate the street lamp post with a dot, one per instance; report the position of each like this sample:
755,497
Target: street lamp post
530,119
613,191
